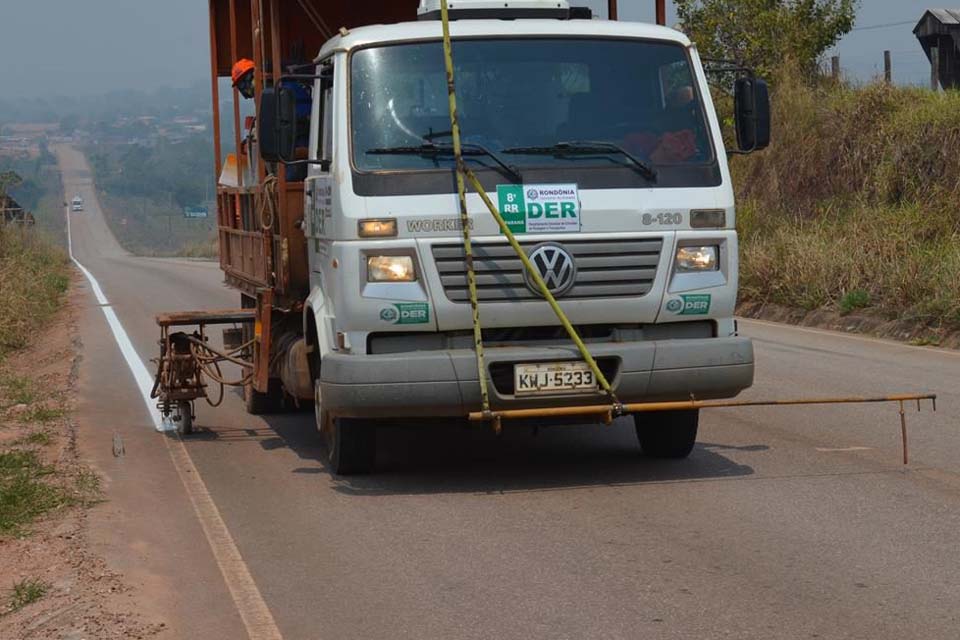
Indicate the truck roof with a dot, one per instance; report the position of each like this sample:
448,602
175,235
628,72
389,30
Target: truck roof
430,30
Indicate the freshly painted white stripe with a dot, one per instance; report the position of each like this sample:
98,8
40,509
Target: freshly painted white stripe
140,374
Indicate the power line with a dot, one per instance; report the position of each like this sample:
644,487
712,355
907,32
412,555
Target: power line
884,26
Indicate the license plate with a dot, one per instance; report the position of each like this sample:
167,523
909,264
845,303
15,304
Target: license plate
553,377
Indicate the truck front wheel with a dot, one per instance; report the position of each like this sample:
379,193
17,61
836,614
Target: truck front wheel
351,446
667,434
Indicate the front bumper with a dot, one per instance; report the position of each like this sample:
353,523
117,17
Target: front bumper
445,383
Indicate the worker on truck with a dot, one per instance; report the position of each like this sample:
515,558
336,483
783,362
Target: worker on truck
244,78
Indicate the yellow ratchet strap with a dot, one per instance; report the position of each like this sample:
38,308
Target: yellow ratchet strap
465,174
464,216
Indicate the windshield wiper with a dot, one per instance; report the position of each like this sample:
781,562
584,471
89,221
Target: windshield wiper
432,150
587,148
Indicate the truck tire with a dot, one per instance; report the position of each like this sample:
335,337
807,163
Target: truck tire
261,404
350,443
351,446
667,434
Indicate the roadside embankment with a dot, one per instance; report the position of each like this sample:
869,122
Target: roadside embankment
855,211
53,584
33,281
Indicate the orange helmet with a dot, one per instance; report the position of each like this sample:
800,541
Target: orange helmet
241,68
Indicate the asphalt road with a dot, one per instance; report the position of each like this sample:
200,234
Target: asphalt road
784,523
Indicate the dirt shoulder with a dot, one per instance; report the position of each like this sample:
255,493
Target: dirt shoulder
54,585
908,331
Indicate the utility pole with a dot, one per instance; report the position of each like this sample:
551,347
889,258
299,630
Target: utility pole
835,67
887,67
661,9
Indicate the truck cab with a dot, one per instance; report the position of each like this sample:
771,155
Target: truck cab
600,145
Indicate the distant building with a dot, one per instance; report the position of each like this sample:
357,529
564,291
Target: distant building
939,34
12,213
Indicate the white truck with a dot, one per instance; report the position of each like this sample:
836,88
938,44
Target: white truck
599,143
77,203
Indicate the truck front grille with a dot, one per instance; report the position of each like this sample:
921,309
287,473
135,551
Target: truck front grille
605,269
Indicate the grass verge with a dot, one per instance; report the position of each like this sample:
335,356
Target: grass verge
27,490
33,281
856,205
884,260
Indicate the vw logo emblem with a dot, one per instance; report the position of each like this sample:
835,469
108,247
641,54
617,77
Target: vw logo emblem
555,265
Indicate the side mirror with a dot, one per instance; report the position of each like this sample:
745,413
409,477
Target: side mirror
752,108
277,126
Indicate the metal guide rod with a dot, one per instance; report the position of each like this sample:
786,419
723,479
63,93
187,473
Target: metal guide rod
646,407
464,172
464,215
607,415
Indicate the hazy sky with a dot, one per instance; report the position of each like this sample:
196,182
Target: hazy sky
59,47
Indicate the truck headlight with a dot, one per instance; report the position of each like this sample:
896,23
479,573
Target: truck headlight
390,269
697,259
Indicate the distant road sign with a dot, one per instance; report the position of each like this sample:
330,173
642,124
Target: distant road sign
195,212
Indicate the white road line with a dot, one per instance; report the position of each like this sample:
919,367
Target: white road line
250,604
140,374
842,449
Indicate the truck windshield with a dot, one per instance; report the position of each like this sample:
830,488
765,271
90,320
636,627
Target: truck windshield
534,102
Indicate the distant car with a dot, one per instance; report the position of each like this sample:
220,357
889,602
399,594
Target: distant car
77,204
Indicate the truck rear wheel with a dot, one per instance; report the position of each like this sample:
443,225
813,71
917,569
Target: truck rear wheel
261,404
667,434
351,446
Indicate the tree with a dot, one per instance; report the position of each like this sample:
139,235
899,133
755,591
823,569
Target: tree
8,180
766,34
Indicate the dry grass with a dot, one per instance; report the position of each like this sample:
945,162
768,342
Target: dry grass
857,203
33,280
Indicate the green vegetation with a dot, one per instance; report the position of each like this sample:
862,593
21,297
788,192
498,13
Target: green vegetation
15,390
853,300
27,491
177,173
26,591
21,394
37,438
765,34
856,203
33,280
